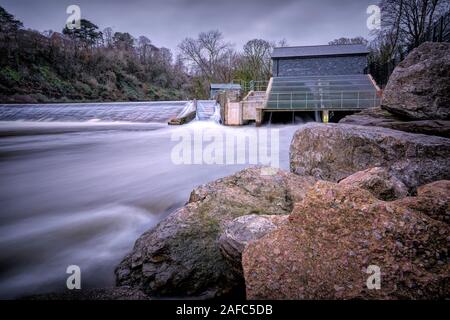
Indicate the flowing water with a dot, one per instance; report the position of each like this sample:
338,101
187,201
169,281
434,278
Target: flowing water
81,182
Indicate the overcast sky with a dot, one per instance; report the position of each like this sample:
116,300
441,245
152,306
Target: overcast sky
167,22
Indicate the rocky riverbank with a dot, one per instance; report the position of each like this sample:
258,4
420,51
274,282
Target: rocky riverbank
358,198
181,257
417,97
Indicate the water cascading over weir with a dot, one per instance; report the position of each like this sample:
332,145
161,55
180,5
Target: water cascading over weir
199,110
208,110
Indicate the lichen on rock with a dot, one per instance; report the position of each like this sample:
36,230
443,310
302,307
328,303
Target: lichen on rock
379,182
419,87
334,151
335,234
181,257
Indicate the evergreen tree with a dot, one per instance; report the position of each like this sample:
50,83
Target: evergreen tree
8,24
87,33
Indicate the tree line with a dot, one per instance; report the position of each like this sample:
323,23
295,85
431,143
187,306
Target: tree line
84,64
89,64
405,24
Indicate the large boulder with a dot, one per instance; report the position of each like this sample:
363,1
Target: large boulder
241,231
180,257
338,237
379,117
379,182
334,151
419,87
432,199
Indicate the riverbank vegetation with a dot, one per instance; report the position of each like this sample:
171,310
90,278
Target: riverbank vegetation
90,64
87,65
93,65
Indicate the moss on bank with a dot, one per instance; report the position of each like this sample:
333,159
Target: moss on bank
43,84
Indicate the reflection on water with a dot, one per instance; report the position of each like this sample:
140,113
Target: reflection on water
81,194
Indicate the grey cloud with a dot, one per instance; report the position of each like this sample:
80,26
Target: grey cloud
167,22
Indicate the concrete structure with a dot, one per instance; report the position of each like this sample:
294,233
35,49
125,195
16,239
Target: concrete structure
320,80
230,108
215,88
319,60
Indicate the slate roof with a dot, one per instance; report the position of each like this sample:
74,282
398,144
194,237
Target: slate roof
325,50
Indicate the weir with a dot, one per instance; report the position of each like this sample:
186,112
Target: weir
133,112
208,110
200,110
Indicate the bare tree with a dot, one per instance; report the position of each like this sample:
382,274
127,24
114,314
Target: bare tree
283,43
123,41
207,54
210,59
357,40
144,45
405,23
257,59
108,34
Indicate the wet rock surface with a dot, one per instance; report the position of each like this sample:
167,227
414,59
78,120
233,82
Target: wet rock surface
116,293
242,231
181,257
332,152
379,182
382,118
419,87
432,199
332,238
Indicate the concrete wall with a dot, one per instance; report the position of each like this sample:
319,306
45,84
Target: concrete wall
234,114
315,66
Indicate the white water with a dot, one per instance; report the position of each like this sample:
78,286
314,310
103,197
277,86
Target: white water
81,193
208,110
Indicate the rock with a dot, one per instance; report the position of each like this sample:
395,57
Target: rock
332,238
379,182
241,231
432,199
335,151
382,118
117,293
419,87
180,257
371,117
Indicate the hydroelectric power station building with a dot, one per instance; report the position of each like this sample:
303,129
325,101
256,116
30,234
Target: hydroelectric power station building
319,60
323,80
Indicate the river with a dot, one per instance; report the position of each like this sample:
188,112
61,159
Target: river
81,182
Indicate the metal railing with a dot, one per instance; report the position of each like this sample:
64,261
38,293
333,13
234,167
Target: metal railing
253,85
324,101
